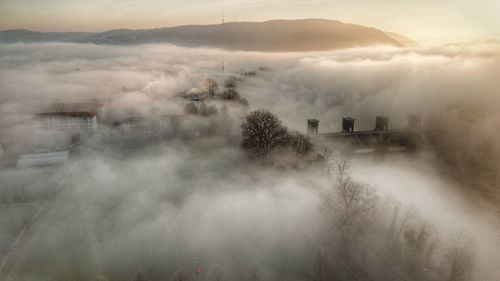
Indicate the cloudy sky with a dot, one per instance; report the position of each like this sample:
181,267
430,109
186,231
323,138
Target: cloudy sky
427,21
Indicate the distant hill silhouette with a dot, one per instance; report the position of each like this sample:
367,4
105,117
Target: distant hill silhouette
407,42
274,35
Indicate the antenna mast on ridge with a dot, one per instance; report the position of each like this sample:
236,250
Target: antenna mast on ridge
222,61
223,21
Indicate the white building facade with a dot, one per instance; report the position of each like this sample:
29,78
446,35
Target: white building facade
66,121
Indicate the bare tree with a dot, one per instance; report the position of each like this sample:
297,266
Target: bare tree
322,268
300,143
458,261
262,131
231,82
351,202
230,94
420,248
211,87
401,220
206,110
327,154
191,108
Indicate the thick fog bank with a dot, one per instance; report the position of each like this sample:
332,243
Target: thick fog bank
453,87
439,201
360,83
164,210
161,208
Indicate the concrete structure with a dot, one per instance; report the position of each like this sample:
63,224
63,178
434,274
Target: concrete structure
95,107
347,125
312,126
381,123
380,140
66,121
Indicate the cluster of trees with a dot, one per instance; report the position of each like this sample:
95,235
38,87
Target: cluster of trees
360,241
211,87
212,92
363,238
263,133
202,109
232,95
229,93
363,243
231,82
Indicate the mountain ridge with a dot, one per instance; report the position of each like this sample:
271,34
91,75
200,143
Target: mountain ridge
272,35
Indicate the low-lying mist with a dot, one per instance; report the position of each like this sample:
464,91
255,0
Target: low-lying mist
192,208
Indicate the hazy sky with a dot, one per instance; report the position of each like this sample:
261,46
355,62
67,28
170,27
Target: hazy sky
427,21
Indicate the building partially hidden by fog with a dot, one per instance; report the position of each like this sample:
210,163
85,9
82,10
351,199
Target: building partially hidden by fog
138,130
194,95
42,159
71,121
380,139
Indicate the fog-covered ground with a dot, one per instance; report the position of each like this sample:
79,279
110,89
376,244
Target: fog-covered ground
159,209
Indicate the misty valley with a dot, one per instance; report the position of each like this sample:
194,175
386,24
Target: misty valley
162,162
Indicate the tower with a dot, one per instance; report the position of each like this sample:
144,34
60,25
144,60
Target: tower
312,126
382,123
347,125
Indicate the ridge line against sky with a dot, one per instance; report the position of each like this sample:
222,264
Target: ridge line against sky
426,21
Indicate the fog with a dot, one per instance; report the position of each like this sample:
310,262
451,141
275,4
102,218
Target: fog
161,208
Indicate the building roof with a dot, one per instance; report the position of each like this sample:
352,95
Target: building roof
194,92
42,159
73,114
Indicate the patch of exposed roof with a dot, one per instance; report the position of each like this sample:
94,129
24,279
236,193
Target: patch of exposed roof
72,114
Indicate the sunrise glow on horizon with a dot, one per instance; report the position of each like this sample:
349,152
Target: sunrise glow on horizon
426,21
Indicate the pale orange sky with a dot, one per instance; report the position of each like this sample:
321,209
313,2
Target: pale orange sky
426,21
